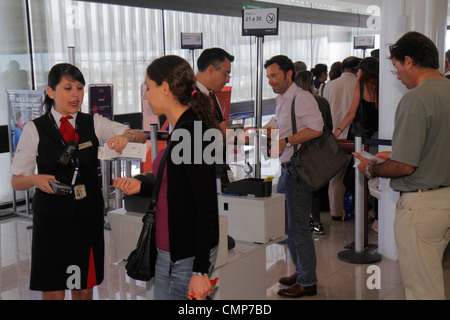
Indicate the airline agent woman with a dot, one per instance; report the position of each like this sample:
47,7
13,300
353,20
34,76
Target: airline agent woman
67,243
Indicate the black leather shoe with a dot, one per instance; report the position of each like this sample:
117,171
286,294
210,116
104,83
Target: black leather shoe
297,291
290,280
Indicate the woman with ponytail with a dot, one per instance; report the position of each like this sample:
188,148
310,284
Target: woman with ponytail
187,225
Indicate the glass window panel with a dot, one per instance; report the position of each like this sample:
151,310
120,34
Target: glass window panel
113,44
15,73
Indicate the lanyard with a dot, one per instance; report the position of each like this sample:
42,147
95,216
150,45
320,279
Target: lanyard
64,143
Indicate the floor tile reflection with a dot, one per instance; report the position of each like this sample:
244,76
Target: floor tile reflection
337,280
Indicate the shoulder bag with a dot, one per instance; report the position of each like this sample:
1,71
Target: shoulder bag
141,261
317,160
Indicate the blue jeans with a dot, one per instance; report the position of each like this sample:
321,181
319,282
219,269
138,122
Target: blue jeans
172,279
299,241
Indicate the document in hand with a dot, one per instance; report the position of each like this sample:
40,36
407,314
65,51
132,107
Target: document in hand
133,151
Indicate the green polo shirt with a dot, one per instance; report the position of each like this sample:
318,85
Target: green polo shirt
422,136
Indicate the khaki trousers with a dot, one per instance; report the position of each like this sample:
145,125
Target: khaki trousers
336,190
422,232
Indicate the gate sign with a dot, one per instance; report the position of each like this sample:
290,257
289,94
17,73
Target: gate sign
260,22
364,42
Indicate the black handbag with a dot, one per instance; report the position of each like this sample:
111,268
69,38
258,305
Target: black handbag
317,160
141,261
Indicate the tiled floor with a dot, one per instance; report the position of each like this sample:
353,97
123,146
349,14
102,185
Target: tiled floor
338,280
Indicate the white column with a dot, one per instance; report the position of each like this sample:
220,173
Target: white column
398,17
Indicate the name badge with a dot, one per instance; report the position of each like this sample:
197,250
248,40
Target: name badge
80,191
84,145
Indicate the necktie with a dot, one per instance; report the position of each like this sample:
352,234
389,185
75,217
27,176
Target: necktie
68,132
216,109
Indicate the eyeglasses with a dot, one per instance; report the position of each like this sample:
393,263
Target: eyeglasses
225,72
395,71
393,47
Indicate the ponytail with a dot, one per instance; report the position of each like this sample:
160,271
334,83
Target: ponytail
201,104
46,106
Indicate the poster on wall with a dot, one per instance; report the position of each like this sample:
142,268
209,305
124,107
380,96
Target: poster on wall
23,106
101,100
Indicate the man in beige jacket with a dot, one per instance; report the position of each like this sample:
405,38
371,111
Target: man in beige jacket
340,94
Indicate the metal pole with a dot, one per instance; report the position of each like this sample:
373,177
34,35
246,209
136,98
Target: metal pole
118,174
71,55
359,254
154,140
105,167
359,202
258,103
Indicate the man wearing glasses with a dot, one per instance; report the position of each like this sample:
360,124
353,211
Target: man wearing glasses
419,166
214,68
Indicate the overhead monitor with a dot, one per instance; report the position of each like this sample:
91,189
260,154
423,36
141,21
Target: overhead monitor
260,22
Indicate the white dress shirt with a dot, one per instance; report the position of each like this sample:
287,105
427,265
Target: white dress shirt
307,115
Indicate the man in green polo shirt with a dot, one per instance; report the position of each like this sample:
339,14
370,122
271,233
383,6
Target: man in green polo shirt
419,166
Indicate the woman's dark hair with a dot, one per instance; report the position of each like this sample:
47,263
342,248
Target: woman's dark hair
417,46
56,74
319,69
304,80
284,63
371,80
182,83
335,70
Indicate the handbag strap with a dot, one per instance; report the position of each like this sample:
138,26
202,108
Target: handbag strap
293,120
158,179
294,124
159,175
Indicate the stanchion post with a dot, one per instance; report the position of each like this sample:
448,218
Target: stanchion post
258,103
359,202
154,140
360,254
106,176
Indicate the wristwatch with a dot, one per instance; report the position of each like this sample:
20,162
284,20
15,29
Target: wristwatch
368,174
288,144
201,274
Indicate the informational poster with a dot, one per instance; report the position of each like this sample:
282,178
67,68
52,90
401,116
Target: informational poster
23,106
101,100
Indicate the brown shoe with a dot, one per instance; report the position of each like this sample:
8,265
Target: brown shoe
290,280
297,291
